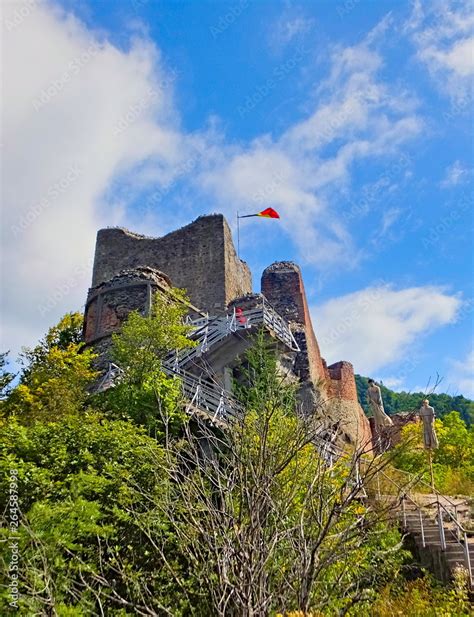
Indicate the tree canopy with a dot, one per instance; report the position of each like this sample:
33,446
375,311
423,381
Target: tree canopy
122,504
396,402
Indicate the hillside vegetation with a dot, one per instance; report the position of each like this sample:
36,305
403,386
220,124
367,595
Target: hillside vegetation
395,402
120,503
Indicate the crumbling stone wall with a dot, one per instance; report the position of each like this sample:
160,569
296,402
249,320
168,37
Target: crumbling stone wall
108,304
199,257
282,285
342,381
329,390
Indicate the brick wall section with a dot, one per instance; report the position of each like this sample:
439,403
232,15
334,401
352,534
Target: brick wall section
342,382
199,257
109,304
282,285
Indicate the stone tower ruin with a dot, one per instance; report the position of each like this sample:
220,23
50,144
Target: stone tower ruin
201,257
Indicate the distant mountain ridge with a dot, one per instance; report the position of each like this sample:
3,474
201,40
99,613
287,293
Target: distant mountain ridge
395,402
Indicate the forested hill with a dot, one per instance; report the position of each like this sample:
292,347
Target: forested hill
395,402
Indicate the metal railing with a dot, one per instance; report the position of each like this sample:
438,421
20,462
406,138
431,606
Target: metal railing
206,396
324,443
109,378
212,330
418,480
460,536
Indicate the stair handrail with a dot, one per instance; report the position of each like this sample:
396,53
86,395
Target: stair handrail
423,509
413,481
461,531
420,480
214,329
420,510
227,406
464,542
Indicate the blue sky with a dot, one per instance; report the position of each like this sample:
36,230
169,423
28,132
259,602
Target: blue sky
352,119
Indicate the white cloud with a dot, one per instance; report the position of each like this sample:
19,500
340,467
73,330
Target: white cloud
80,113
289,27
455,174
357,116
461,376
77,112
376,326
443,34
389,218
393,383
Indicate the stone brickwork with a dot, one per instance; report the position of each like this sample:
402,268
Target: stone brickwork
282,285
108,304
331,389
199,257
342,381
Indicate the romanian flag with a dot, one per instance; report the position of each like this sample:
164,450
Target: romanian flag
268,213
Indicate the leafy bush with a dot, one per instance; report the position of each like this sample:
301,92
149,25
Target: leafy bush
453,461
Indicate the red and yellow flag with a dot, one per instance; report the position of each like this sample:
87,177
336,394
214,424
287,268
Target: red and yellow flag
268,213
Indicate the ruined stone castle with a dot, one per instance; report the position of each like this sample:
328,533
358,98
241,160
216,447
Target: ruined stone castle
201,257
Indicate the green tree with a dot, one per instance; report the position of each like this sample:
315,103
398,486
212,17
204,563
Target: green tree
81,550
67,332
453,460
145,340
145,393
265,522
57,374
81,473
5,376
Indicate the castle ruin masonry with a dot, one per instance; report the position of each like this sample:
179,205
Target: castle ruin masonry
200,257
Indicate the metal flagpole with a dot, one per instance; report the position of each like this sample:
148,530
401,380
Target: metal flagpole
268,213
238,235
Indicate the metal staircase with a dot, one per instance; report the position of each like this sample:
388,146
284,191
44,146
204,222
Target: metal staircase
210,331
442,540
206,397
203,394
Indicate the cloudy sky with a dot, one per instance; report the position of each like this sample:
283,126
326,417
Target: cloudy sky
352,119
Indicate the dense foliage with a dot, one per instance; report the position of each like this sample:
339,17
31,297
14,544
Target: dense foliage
6,377
144,393
56,373
453,461
76,482
125,506
395,402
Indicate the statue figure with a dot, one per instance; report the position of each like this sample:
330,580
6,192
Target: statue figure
374,397
427,414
